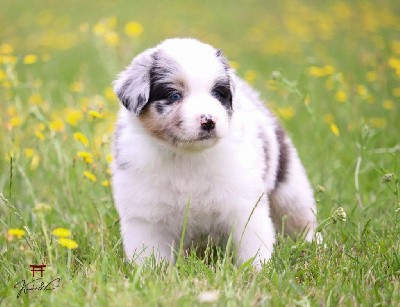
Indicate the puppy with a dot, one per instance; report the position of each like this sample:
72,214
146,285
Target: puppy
193,134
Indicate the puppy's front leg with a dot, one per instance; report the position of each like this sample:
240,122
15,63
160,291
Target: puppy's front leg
254,236
143,239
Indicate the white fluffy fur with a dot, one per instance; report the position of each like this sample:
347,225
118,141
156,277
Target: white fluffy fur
222,178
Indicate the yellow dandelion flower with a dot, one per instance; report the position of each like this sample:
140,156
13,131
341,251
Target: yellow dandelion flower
316,71
109,158
109,93
362,91
388,104
307,100
111,38
57,125
90,176
276,46
99,29
15,121
73,116
86,156
29,152
396,92
396,46
30,59
111,22
41,127
343,10
68,243
36,99
34,162
378,122
250,76
95,114
41,207
2,75
39,135
341,96
286,113
16,232
371,76
8,59
6,48
234,64
133,29
78,136
105,183
61,232
271,85
76,87
394,63
329,70
44,17
12,111
334,129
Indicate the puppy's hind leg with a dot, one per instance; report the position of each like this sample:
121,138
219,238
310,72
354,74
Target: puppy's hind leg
292,201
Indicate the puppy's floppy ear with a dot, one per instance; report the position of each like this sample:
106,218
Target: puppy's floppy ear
133,84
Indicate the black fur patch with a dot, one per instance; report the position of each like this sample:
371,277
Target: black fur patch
261,135
141,102
224,89
283,160
126,102
160,91
121,94
163,81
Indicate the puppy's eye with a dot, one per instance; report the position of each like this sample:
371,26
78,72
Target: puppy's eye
218,94
174,96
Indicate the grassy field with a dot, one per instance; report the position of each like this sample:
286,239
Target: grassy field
329,70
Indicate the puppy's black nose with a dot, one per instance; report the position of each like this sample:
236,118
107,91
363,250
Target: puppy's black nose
207,122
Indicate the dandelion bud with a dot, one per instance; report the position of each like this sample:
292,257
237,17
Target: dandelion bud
276,75
388,177
339,215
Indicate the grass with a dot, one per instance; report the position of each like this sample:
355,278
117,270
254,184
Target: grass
330,71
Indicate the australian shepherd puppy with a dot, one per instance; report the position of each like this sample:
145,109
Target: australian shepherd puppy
191,134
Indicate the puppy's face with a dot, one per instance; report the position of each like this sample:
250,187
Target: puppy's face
181,92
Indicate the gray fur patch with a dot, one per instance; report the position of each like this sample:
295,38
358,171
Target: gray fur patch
117,156
266,153
283,160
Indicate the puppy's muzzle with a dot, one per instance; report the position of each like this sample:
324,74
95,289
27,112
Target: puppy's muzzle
207,122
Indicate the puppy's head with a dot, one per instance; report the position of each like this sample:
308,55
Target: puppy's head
181,91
